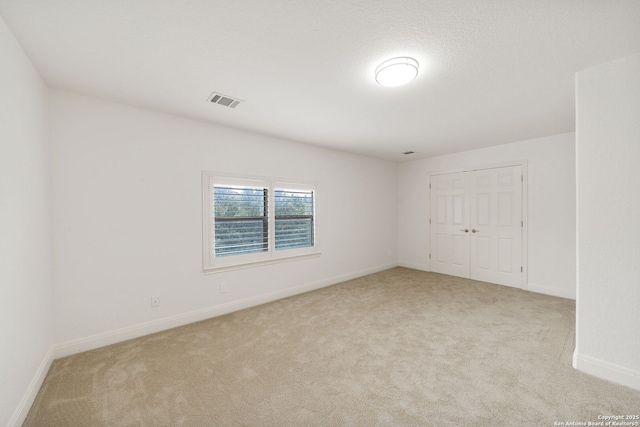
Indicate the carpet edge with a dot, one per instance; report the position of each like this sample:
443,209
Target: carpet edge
22,410
103,339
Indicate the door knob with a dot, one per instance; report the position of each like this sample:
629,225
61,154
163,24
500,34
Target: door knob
475,231
466,230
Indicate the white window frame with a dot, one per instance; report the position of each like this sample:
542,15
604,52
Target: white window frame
213,264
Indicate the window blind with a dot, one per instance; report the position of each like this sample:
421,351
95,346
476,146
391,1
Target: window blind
241,220
294,222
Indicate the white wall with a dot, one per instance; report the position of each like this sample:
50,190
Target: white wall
608,159
26,332
128,215
551,207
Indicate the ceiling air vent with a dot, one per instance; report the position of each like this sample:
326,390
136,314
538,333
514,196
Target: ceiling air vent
227,101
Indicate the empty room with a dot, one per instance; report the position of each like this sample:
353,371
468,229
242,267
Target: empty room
328,213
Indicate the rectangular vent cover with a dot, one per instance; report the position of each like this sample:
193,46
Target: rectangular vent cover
227,101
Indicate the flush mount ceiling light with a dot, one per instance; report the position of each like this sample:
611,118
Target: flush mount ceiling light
397,71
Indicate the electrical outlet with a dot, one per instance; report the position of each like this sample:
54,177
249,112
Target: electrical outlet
155,302
223,287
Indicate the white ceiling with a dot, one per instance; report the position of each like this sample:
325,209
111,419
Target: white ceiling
491,71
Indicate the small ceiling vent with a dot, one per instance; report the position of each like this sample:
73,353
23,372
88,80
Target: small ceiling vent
227,101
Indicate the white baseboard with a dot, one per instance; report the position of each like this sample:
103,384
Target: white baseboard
607,371
414,265
548,290
21,412
112,337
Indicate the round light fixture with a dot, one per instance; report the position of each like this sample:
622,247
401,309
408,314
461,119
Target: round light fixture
397,71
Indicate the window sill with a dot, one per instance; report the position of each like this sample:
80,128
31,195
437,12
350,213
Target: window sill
213,270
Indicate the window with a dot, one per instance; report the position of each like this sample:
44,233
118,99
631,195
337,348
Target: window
294,219
240,218
255,221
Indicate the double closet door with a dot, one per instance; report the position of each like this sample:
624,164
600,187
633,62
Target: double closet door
476,225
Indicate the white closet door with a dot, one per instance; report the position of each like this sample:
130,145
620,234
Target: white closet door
496,228
476,228
449,219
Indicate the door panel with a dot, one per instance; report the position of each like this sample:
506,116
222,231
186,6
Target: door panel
483,208
449,216
441,249
458,210
460,251
505,255
483,251
505,209
441,207
496,208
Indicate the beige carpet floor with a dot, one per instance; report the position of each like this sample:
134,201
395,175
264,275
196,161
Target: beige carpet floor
396,348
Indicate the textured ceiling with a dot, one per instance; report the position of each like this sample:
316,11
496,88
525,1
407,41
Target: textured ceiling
491,71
